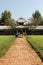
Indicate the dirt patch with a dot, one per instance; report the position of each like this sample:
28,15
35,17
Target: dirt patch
21,54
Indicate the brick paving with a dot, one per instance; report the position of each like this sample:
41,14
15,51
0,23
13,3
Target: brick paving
21,54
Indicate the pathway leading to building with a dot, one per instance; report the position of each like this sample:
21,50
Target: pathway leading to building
21,54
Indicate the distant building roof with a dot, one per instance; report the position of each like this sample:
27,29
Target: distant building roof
39,27
5,27
21,26
21,20
9,27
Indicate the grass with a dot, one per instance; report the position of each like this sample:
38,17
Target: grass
37,43
5,43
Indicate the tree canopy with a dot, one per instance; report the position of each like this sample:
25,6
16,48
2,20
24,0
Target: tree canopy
6,19
36,17
36,14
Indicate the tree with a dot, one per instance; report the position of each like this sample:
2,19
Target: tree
36,14
6,17
36,17
41,23
35,20
13,25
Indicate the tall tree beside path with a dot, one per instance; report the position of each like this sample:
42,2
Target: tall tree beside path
35,20
36,17
6,19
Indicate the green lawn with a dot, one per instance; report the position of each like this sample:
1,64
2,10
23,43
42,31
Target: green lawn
37,42
5,43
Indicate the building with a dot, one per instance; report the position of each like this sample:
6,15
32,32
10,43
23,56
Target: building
21,21
20,28
7,30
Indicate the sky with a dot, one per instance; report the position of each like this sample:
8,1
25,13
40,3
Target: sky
21,8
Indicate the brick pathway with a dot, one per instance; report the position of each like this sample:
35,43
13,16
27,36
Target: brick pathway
21,54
